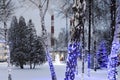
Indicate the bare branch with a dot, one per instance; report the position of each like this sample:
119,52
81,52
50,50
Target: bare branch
34,3
46,8
8,3
6,10
43,3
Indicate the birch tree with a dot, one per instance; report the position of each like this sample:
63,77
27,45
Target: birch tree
42,6
6,11
115,49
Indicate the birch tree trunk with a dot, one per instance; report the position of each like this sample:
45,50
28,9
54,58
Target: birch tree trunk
77,34
44,33
112,64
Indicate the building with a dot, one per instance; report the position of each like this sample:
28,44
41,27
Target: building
2,51
61,52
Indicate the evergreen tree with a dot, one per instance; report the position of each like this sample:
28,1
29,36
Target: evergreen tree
39,56
21,42
17,38
30,42
34,47
25,45
102,55
12,36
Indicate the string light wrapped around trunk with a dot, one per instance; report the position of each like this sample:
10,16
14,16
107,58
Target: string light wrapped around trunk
113,57
45,43
51,66
73,53
76,34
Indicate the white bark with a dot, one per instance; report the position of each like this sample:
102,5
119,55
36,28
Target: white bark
43,9
112,64
116,41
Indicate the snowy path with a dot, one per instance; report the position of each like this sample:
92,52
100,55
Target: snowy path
42,73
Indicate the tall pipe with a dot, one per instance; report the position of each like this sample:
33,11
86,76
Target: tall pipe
52,30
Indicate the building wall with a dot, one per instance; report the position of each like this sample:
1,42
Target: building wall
2,52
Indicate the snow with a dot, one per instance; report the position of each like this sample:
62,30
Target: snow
42,73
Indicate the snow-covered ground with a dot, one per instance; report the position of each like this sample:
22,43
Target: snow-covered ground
42,73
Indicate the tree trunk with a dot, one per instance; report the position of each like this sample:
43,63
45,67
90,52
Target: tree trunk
21,66
34,66
112,64
77,34
30,65
45,42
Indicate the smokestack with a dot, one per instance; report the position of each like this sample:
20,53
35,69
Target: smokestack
52,30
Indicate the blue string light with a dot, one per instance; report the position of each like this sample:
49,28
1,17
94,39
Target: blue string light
112,72
102,55
49,59
113,61
73,53
89,61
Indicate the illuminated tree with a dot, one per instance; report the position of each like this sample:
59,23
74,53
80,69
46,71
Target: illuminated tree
113,57
102,55
77,33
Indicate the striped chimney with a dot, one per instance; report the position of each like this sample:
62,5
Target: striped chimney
52,30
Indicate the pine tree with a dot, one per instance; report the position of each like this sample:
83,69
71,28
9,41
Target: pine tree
25,46
17,38
12,36
34,48
30,42
39,50
21,41
102,55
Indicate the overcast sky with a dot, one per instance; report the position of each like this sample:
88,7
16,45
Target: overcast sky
33,13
